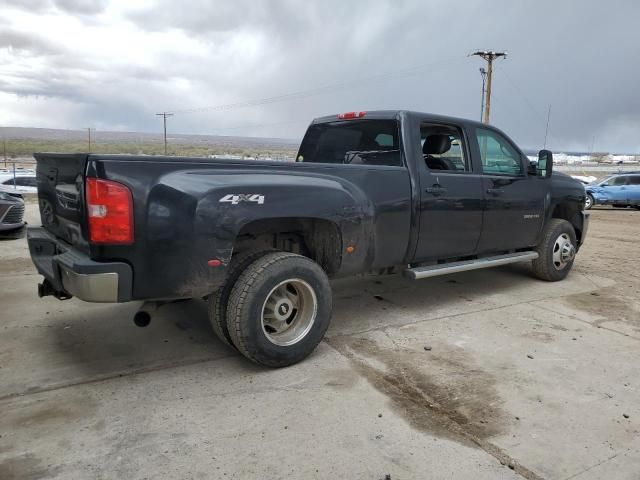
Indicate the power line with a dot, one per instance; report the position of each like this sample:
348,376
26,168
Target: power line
317,90
489,57
164,116
260,125
524,97
530,104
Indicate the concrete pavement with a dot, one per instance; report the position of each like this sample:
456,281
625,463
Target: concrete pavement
519,379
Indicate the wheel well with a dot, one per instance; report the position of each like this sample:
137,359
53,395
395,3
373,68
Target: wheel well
315,238
570,213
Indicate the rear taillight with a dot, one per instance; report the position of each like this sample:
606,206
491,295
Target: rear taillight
110,212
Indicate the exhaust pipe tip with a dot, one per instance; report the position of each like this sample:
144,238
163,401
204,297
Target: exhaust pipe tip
142,319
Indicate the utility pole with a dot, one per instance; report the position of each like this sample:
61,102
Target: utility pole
546,132
4,151
483,72
489,57
164,116
89,134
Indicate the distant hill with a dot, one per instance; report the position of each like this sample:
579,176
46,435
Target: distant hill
106,137
21,143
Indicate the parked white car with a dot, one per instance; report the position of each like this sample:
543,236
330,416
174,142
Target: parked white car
25,181
586,179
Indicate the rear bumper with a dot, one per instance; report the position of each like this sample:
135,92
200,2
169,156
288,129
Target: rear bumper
69,272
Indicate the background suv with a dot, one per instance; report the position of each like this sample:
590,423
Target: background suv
619,190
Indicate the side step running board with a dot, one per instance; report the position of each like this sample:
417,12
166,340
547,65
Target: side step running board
419,273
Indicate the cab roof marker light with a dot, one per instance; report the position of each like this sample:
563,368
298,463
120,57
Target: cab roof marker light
351,115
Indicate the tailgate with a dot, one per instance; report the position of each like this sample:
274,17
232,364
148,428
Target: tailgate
61,196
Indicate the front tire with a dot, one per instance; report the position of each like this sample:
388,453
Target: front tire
279,309
556,251
588,201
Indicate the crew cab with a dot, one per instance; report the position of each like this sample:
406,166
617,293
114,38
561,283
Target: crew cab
378,191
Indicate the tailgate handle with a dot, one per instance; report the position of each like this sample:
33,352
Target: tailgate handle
52,175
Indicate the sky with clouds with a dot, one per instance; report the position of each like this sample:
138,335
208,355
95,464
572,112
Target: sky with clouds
266,68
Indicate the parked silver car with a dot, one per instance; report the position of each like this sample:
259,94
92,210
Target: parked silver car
11,211
24,181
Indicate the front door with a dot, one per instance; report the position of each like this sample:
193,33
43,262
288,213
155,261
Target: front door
514,200
450,210
617,189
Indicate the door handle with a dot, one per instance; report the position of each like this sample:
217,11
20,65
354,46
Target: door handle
436,190
495,191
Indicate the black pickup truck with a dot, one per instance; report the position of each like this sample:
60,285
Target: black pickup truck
381,191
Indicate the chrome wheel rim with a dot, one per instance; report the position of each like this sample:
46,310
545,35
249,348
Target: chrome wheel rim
587,202
563,251
289,312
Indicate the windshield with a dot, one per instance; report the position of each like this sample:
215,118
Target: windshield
601,180
365,142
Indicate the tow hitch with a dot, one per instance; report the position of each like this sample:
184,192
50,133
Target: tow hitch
45,289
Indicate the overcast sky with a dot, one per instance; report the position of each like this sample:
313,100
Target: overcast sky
112,65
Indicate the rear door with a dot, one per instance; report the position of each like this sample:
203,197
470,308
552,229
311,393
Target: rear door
367,152
450,208
617,189
634,190
514,200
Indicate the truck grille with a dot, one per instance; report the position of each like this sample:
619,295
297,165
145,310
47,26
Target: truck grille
14,215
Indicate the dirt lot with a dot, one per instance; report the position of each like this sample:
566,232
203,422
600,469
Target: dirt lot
486,374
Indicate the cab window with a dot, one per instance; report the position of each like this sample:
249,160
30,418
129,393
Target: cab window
618,181
443,149
356,142
497,154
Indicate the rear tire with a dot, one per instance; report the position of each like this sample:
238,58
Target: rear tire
279,309
556,251
217,305
589,202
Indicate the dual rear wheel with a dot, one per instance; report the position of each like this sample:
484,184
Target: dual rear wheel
274,308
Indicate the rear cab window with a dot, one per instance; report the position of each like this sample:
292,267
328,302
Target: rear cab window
353,142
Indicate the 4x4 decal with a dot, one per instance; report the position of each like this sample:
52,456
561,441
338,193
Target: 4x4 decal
236,198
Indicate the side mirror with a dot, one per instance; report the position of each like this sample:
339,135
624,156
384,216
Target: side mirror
545,164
